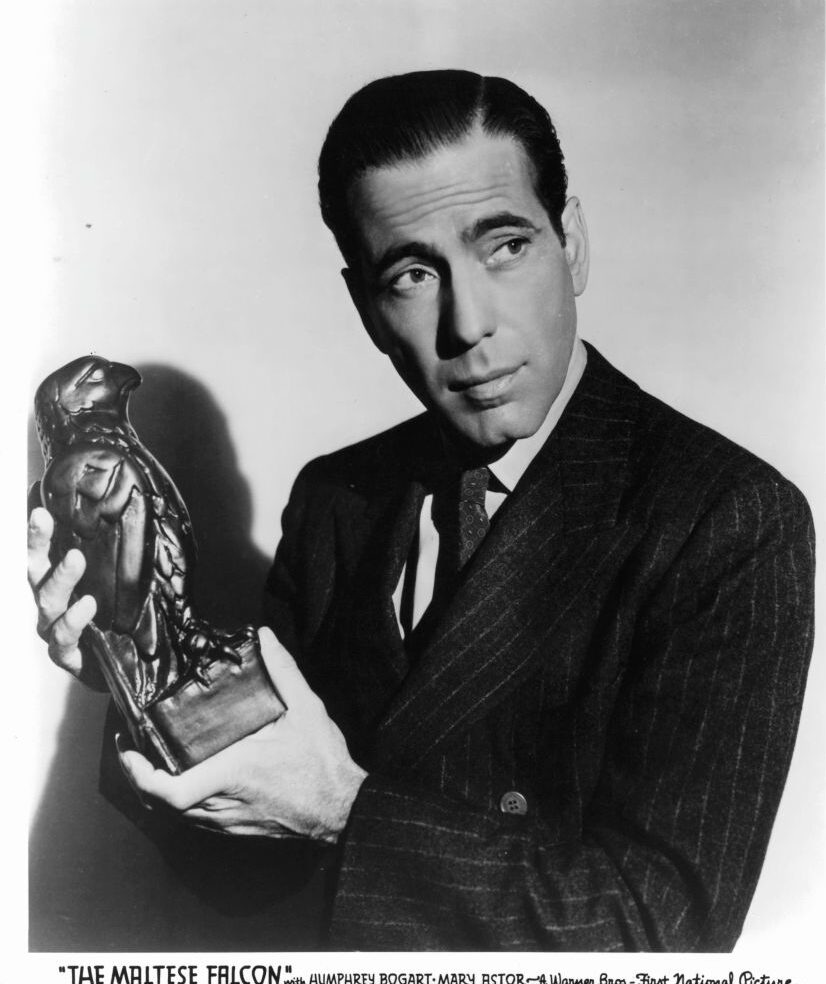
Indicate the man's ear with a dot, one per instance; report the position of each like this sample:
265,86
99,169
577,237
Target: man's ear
576,243
358,295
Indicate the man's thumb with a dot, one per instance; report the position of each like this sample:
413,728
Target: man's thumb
285,675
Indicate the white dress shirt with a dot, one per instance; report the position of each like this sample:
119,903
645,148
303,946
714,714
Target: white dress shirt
507,470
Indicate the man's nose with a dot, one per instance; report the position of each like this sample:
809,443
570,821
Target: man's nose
468,312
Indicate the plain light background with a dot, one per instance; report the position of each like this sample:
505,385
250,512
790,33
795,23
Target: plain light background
177,146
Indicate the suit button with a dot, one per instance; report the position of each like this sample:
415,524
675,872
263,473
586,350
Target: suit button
513,802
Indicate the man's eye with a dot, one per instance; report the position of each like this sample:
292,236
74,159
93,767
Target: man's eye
412,279
507,251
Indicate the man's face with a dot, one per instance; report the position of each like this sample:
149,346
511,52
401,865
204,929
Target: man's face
463,282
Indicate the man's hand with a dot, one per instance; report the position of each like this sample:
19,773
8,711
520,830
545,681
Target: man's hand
295,775
58,622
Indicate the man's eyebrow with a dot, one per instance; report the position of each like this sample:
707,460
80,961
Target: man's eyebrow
425,251
492,222
402,251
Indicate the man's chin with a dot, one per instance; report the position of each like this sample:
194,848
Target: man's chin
486,440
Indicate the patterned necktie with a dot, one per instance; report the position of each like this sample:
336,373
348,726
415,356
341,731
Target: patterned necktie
462,522
473,518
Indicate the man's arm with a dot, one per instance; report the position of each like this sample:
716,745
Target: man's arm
697,754
698,748
673,839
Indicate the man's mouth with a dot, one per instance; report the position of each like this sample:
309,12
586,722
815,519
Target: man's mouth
489,388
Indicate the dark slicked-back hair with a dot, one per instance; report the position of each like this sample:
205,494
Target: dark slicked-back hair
405,117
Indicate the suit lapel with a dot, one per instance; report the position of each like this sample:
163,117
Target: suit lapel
376,525
556,533
375,635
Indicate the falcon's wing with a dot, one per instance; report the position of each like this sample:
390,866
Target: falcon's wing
100,502
176,548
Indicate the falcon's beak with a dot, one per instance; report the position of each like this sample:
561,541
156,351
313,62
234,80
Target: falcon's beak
127,377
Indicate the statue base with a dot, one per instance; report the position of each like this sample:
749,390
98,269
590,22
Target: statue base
227,701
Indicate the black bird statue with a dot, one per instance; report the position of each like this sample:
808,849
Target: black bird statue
185,688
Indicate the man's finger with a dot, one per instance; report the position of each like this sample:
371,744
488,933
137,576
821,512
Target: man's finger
182,792
231,821
286,677
65,634
41,527
56,591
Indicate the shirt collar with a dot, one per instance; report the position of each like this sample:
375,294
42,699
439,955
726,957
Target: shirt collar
514,463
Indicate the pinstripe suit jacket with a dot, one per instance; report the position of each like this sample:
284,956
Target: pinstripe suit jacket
628,650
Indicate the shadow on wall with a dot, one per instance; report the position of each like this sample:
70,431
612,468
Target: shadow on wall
106,875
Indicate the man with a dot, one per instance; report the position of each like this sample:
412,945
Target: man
552,635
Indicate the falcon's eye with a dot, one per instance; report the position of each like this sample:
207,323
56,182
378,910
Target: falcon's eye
95,376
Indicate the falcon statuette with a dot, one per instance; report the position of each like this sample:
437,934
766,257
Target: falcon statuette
185,688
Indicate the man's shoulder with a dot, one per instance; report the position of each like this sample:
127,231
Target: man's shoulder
676,462
380,461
